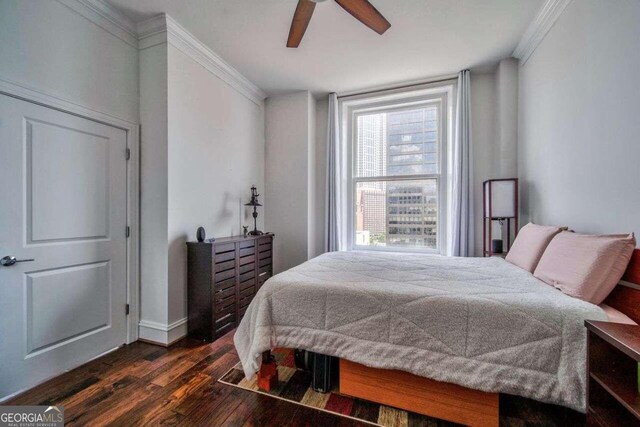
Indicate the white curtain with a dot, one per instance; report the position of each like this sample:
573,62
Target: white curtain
334,233
462,242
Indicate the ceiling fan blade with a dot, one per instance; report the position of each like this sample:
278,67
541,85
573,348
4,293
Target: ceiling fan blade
300,21
364,12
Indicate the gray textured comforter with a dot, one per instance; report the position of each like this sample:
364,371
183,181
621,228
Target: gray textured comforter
478,322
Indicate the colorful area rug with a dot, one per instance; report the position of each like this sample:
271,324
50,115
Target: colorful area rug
295,386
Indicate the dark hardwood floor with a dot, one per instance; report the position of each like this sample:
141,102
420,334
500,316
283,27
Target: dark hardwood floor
143,384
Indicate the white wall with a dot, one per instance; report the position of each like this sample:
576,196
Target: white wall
202,150
51,48
313,208
153,186
494,115
320,182
56,51
578,147
485,142
216,153
507,118
202,144
288,140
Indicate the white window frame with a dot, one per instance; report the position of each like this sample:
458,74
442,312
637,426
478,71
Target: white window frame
352,107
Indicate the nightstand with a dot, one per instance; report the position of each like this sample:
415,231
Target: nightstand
612,385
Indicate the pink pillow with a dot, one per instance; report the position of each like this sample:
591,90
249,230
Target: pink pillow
586,266
530,244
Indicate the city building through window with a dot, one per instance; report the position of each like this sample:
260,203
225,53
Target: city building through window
398,184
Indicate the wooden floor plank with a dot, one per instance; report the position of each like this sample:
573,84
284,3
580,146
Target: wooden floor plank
112,405
146,385
164,417
173,371
62,386
154,410
200,413
199,395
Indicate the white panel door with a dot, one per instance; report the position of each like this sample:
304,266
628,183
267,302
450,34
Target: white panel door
63,206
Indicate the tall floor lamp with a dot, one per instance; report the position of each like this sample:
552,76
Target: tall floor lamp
499,204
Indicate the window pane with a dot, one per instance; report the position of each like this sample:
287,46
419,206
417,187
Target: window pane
412,169
394,143
405,148
397,213
371,145
408,158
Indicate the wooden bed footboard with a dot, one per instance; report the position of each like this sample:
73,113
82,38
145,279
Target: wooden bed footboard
410,392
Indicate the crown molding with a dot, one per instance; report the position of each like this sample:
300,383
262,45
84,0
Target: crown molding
162,28
106,17
152,31
538,28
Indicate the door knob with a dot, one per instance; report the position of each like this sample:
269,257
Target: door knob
8,260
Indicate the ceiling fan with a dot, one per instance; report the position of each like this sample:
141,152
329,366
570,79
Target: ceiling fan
362,10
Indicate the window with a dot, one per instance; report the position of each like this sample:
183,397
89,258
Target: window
397,174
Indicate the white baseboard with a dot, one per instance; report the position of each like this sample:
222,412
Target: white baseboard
160,333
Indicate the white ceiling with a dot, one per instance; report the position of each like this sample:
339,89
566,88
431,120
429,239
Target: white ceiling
427,38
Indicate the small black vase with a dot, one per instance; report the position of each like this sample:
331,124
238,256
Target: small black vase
200,234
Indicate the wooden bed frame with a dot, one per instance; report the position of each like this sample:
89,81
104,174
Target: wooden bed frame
442,400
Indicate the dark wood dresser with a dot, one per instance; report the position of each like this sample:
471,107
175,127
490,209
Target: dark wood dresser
222,279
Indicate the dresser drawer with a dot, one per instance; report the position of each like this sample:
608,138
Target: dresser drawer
224,275
225,256
225,247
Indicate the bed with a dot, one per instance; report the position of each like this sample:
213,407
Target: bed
480,324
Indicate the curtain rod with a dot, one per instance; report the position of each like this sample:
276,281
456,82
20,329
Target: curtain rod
426,82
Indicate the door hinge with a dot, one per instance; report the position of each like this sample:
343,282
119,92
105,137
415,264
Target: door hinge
126,310
127,231
127,154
